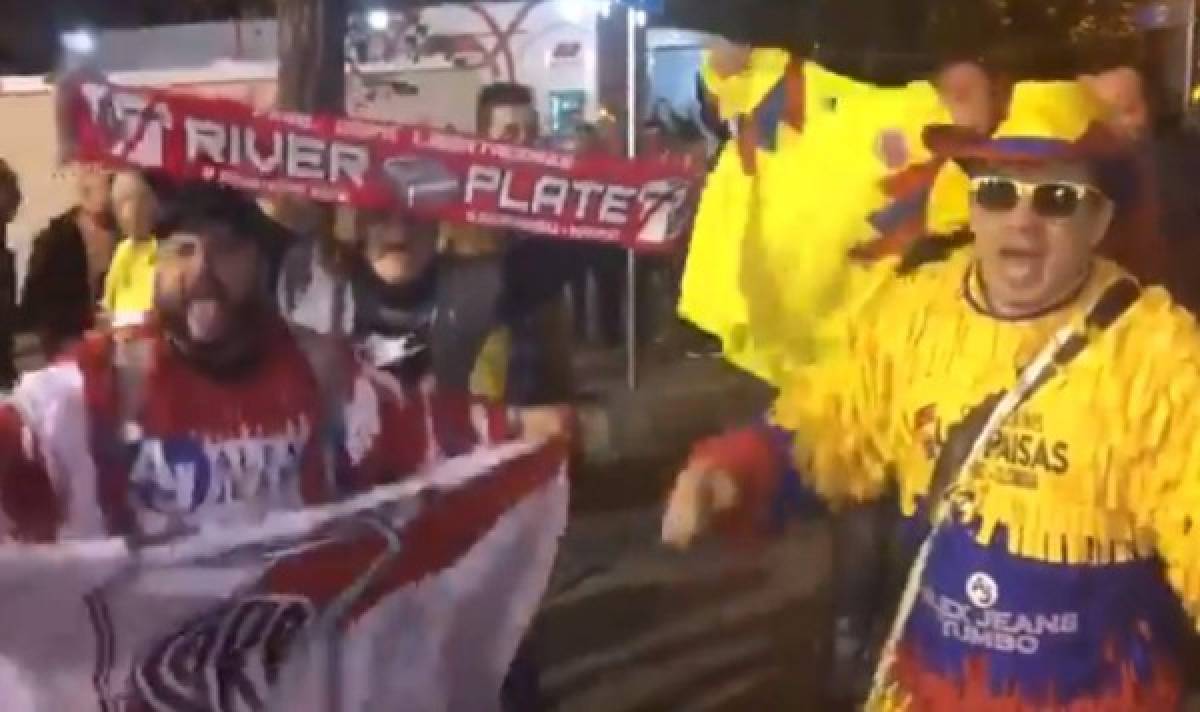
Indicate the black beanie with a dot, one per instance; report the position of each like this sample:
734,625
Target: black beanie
197,203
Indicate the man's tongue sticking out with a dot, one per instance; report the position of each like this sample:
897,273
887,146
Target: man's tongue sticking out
207,319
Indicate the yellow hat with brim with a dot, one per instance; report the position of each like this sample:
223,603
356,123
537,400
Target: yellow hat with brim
1046,122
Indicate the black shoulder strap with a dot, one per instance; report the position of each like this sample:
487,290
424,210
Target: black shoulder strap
960,438
931,249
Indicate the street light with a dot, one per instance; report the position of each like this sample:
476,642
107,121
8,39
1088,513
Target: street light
579,11
573,11
78,42
379,19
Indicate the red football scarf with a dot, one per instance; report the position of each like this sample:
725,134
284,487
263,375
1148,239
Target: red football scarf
438,174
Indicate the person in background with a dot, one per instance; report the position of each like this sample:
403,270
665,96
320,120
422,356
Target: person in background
10,202
505,111
65,278
601,265
445,304
536,271
431,310
1124,92
534,275
129,286
975,96
419,306
1168,155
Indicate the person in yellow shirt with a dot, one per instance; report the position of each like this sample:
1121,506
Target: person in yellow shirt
129,286
1033,408
803,190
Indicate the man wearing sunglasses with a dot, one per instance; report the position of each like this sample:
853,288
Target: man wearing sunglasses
1033,409
1035,230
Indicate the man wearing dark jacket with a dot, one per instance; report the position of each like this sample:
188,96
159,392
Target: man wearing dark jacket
536,271
70,259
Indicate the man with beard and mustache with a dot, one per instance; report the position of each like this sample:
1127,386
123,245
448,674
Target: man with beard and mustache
214,381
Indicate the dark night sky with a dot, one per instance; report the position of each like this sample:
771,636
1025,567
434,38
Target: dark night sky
883,40
29,29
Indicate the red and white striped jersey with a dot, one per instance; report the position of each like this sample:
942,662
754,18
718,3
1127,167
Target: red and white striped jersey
201,452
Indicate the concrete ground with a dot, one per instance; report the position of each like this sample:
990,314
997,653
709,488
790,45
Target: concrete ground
629,626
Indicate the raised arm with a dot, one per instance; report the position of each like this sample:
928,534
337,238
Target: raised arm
830,433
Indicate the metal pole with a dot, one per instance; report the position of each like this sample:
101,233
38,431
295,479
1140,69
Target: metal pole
631,128
1189,69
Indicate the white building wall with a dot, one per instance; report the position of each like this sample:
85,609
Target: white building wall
238,60
227,48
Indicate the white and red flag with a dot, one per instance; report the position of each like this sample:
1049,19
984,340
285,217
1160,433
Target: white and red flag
413,596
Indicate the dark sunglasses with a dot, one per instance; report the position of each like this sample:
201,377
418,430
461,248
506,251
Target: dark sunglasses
1057,199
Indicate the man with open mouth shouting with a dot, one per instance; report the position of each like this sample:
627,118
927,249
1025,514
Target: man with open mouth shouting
208,280
1034,409
214,411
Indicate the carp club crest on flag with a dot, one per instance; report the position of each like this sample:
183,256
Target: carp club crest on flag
418,591
443,175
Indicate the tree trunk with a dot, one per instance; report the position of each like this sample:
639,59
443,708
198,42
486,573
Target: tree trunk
312,79
312,55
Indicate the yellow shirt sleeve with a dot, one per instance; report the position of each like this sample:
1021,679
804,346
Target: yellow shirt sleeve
489,379
117,274
1160,401
840,406
741,93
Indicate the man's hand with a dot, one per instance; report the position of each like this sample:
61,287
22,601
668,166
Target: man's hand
701,491
727,58
547,422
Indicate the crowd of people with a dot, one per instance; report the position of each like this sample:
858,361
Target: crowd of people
1005,420
176,317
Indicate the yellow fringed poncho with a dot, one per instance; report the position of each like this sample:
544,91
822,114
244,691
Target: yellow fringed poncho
769,257
1105,451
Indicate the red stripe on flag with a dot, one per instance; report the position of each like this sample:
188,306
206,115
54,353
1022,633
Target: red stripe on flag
450,525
